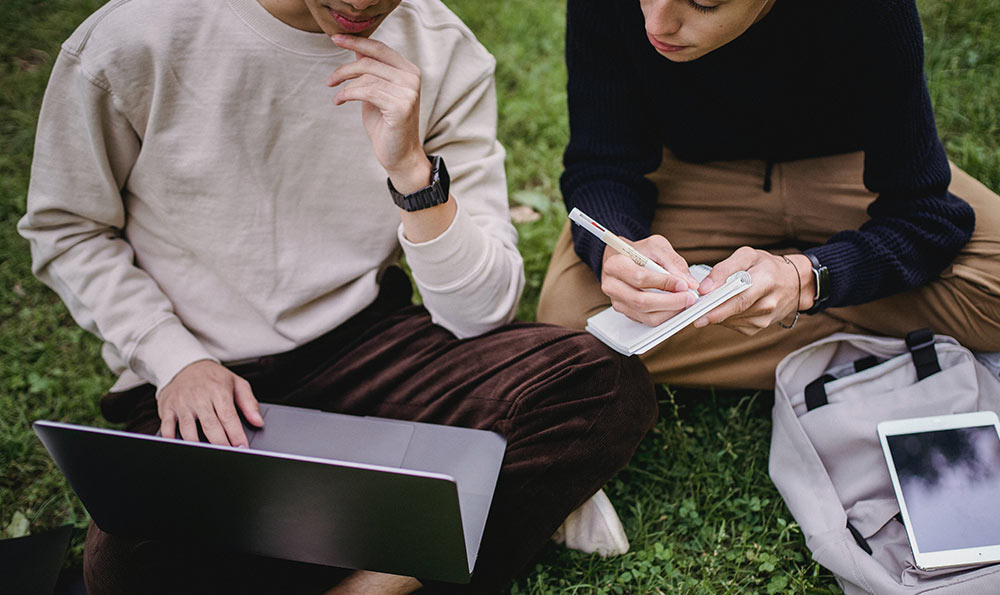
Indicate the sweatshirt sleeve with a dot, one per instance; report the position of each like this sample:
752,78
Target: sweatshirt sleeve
471,276
612,145
917,227
84,150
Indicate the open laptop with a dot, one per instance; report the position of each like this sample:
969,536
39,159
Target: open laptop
356,492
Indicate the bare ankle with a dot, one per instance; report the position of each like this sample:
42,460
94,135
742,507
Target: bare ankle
364,582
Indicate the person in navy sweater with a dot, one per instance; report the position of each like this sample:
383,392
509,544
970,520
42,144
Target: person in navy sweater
789,138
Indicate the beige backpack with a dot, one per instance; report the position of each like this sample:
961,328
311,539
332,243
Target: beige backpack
827,463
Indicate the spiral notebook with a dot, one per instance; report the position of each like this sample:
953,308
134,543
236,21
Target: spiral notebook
629,337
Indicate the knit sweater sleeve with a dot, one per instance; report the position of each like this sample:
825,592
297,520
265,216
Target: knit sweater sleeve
84,151
611,145
917,227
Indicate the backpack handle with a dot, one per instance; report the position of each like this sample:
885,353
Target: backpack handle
920,343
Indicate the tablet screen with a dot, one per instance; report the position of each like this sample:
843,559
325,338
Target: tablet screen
950,480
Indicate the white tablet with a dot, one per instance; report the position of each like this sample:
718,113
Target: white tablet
946,474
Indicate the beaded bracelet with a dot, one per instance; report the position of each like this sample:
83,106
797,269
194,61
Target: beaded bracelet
799,300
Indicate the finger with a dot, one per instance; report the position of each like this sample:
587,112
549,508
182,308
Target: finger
740,260
673,283
617,288
247,402
625,269
353,70
374,92
403,96
211,427
189,431
644,278
661,305
229,420
168,424
732,307
640,317
647,318
650,279
664,254
746,325
375,49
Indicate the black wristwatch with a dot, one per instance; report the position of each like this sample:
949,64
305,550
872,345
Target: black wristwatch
822,276
432,195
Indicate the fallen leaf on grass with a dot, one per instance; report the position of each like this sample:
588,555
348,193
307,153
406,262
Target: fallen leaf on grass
524,214
32,61
18,526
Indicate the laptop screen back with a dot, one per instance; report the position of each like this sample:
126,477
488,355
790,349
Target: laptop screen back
354,514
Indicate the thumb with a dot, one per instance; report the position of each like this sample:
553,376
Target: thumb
248,403
718,276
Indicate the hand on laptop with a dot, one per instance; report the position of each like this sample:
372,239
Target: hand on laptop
208,393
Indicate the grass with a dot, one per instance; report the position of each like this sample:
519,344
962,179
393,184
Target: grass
700,510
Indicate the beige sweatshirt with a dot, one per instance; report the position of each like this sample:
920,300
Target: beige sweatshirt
196,194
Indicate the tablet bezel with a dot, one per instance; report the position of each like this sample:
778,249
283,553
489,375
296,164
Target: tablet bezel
943,558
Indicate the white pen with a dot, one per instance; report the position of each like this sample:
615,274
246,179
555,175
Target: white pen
608,237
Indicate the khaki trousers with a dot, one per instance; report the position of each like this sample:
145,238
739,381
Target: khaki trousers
709,210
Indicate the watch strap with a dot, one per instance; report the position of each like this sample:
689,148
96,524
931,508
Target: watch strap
821,275
433,194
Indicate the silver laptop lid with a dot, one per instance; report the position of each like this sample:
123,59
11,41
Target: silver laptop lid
334,512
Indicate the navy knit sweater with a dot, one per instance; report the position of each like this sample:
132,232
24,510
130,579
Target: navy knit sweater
810,79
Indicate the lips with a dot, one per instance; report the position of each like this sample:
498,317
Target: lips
663,47
352,24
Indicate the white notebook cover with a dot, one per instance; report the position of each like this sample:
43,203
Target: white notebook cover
629,337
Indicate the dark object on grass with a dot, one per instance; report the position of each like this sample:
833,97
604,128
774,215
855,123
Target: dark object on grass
31,565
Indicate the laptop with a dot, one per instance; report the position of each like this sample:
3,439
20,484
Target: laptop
325,488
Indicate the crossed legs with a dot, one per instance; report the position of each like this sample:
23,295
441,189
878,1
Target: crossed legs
572,411
707,211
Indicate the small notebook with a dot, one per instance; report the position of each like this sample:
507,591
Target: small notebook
629,337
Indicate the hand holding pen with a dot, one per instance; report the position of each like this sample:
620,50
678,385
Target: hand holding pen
638,286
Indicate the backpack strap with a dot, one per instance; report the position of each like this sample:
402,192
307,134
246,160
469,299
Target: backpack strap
868,361
859,538
815,392
921,345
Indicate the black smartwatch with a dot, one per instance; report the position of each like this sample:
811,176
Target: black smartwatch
822,276
434,194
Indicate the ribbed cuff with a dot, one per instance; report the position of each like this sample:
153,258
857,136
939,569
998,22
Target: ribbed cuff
164,351
448,260
851,271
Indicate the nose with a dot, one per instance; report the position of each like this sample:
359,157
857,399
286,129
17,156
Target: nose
665,17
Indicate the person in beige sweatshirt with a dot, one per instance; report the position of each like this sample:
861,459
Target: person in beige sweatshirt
220,192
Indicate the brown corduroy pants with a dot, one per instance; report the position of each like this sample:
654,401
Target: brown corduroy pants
572,411
709,210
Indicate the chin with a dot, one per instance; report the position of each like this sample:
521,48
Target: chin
685,55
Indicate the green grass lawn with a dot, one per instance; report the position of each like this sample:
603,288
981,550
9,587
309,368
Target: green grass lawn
699,508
